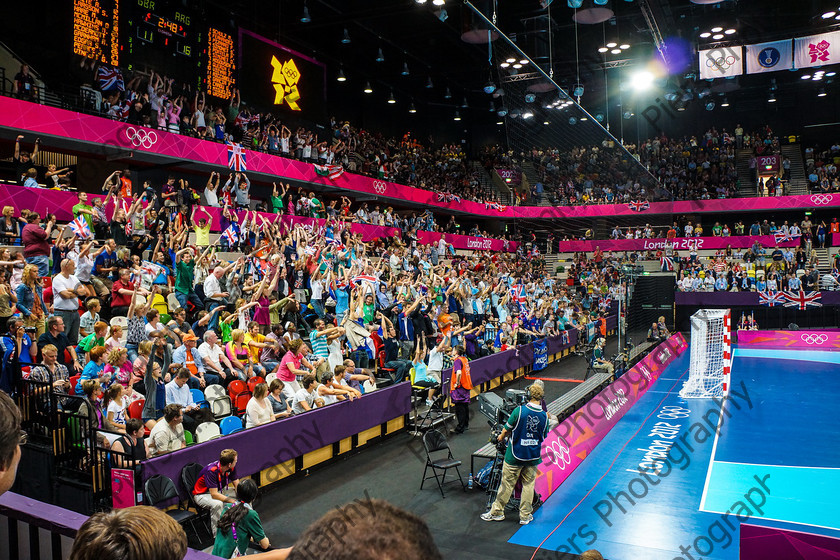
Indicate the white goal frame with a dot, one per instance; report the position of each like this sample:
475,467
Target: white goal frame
711,355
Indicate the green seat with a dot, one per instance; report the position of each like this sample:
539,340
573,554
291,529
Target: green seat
188,437
74,432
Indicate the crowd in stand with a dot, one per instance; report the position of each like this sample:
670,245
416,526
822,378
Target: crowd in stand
150,99
821,168
133,301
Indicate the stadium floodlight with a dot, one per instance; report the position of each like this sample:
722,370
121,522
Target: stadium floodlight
641,80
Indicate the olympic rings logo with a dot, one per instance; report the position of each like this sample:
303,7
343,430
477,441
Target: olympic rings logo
814,338
722,63
822,199
379,186
558,455
140,137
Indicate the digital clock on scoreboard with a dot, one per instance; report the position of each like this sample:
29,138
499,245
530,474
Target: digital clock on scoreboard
158,31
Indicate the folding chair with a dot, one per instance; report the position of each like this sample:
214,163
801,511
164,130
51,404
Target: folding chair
160,488
189,476
422,419
435,443
207,431
231,425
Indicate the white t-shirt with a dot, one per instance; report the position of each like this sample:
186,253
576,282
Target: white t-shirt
301,396
60,283
317,289
209,354
118,409
435,360
211,197
256,415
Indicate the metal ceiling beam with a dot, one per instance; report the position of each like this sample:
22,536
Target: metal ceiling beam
644,6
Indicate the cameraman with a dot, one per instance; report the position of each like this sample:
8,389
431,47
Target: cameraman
600,363
528,425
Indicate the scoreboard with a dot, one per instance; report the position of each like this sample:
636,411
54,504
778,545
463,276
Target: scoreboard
163,35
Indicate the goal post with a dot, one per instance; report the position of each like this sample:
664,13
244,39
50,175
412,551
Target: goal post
711,355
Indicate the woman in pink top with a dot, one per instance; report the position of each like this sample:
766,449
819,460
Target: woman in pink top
290,368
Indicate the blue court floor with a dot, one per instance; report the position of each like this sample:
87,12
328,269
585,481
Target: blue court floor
770,457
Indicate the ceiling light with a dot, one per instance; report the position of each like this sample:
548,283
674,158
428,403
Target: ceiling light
341,77
405,71
510,60
345,39
725,102
642,80
717,36
368,89
831,74
438,2
828,15
819,72
420,1
380,56
705,35
624,47
572,121
447,94
837,17
717,29
806,76
612,45
457,116
599,117
489,87
817,77
616,51
545,122
822,93
517,66
530,97
710,105
412,108
465,105
527,115
500,123
681,108
492,107
603,50
429,84
304,17
523,62
392,100
504,64
584,119
730,31
502,111
772,98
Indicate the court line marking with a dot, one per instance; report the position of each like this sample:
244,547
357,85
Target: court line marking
779,466
712,455
780,521
615,458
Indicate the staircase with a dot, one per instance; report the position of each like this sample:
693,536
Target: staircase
742,165
798,183
483,179
823,254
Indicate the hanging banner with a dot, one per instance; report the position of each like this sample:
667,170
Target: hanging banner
770,57
724,62
817,50
540,354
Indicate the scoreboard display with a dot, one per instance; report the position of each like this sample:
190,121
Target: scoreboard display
162,35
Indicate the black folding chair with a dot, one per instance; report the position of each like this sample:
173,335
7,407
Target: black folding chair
435,443
189,476
159,489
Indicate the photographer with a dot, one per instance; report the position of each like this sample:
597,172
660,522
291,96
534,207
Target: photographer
601,363
528,426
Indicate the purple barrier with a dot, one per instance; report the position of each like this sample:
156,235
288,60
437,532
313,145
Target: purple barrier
282,440
728,299
809,339
97,131
678,243
767,543
55,520
61,202
574,439
467,241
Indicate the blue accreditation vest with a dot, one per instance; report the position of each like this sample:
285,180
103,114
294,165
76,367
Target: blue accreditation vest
528,434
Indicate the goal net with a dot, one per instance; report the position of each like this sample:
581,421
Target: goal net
711,354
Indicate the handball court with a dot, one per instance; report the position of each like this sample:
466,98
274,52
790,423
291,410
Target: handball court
769,455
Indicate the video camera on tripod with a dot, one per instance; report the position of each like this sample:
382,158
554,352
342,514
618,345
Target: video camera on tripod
497,410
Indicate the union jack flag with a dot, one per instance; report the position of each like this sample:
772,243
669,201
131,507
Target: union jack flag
782,236
666,263
771,299
236,157
802,300
80,228
453,198
441,197
517,293
365,278
639,205
231,235
110,78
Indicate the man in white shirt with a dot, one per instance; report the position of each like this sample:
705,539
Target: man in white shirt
178,392
306,399
168,434
213,293
66,291
213,355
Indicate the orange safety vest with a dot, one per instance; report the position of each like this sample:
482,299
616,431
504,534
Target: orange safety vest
466,380
190,364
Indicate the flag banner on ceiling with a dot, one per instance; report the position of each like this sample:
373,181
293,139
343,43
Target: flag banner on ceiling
817,50
770,57
724,62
